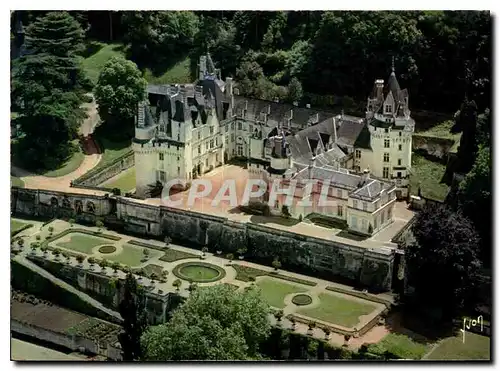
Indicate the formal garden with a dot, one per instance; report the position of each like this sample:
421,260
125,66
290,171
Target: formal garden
164,267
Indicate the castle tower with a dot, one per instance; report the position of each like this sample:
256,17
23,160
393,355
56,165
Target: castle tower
391,128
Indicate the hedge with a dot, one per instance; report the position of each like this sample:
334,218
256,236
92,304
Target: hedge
361,295
23,228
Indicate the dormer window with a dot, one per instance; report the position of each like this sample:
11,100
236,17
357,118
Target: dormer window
388,108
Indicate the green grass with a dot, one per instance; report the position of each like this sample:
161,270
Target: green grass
112,150
94,64
69,166
400,345
441,130
83,243
125,181
248,274
179,73
172,255
428,174
132,255
16,182
335,309
476,347
274,291
16,226
199,272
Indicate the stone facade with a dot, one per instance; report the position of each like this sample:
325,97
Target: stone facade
297,252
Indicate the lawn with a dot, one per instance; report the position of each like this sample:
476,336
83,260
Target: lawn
441,130
428,174
112,150
83,243
172,255
69,166
16,226
476,347
335,309
401,346
125,181
249,274
94,63
177,74
16,182
132,255
274,291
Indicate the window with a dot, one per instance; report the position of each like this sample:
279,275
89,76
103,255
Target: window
388,108
355,204
206,162
382,217
354,222
163,176
386,143
385,174
240,151
206,145
386,131
232,125
178,158
365,206
339,193
211,130
199,135
399,162
277,204
161,156
199,150
399,174
227,128
211,143
216,141
357,154
364,224
400,133
389,213
377,205
386,157
239,125
178,170
340,210
250,128
227,140
216,157
234,151
400,147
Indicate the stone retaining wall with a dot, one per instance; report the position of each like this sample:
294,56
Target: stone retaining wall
314,256
96,177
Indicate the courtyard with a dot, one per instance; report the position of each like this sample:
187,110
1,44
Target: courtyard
171,268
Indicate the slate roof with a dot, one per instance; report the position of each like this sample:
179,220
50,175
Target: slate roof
363,140
349,130
372,189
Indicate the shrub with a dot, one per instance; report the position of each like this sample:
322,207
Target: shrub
20,242
71,222
99,224
230,257
300,217
115,266
57,252
80,259
167,240
204,250
177,284
51,229
145,252
38,237
91,260
276,264
242,251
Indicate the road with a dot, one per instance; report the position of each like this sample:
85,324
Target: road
24,351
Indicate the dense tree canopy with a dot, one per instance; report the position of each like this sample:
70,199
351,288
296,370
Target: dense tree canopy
442,263
215,323
47,89
119,89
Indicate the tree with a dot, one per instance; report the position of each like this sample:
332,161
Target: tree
80,259
474,200
91,261
134,318
466,122
115,266
295,90
445,246
47,86
276,264
118,91
103,264
177,284
215,323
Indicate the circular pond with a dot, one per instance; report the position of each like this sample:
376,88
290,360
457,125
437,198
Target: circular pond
199,272
301,299
108,249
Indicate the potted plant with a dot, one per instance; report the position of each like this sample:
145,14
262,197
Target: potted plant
347,337
80,259
230,257
99,224
65,255
44,250
204,251
241,253
294,323
91,261
326,330
20,242
278,315
38,237
103,264
34,246
177,284
71,222
276,264
115,266
312,325
168,241
56,253
152,277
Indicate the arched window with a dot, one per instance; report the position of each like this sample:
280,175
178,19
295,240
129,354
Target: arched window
90,207
54,202
66,203
78,206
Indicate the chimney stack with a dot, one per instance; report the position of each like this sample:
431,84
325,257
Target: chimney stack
312,162
334,130
379,85
365,176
